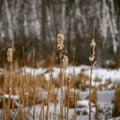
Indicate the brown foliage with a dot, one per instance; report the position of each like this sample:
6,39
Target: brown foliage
117,101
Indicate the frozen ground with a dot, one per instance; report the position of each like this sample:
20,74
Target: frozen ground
104,97
101,73
104,102
108,78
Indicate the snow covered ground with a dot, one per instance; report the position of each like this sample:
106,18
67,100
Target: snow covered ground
82,110
101,73
104,97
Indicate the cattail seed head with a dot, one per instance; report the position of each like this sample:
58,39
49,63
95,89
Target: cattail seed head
60,46
10,54
93,44
92,50
91,58
60,41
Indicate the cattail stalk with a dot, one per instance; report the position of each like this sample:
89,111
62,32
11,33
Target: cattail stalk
10,59
91,59
90,91
41,117
63,65
60,50
34,89
74,88
68,94
48,100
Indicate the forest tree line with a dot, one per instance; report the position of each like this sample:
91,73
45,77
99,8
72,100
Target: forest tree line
33,25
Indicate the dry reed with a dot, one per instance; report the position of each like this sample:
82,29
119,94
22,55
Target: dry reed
91,59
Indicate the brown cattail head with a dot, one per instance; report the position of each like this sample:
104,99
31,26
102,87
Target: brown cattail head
92,50
60,45
60,39
93,43
10,54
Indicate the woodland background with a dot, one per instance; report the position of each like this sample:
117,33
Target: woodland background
33,25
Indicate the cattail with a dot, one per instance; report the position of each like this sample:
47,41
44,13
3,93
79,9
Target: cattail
60,48
91,58
60,45
92,51
10,54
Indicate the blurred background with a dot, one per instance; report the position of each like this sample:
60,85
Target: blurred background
33,25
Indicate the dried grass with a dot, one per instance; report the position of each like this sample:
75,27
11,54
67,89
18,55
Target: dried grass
28,87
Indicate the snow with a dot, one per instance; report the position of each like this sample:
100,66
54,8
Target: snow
11,96
77,69
52,111
83,107
102,96
14,97
55,71
104,74
104,103
1,71
54,75
101,73
84,103
32,71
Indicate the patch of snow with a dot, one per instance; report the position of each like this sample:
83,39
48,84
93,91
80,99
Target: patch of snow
102,96
101,73
54,75
84,103
104,74
110,86
32,71
1,71
83,107
11,96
